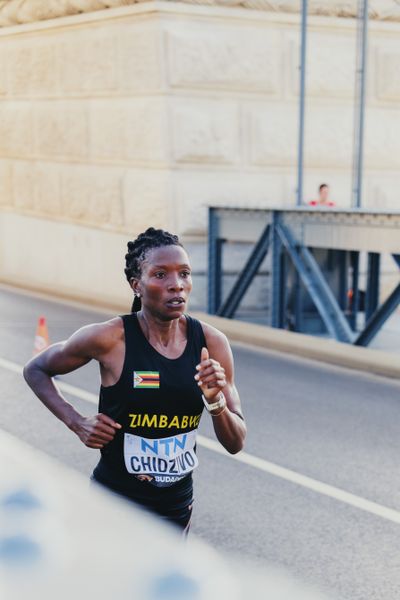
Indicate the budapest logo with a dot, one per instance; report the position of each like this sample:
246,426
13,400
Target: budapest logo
146,379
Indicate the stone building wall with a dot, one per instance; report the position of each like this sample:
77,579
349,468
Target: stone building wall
114,120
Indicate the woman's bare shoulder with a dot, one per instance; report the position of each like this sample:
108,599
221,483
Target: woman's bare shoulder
213,335
100,337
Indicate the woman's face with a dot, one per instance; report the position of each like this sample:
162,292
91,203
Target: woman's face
166,281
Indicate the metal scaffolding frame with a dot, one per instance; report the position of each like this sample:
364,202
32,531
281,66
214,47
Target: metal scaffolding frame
294,235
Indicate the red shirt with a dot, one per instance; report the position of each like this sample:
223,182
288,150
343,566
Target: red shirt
318,203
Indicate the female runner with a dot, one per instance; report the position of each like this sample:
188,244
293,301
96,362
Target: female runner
159,368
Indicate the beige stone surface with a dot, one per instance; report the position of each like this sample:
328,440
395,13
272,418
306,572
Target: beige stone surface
133,129
331,64
92,196
86,254
382,136
24,184
140,50
16,129
270,133
196,190
115,120
3,74
157,92
147,200
205,131
329,136
387,73
212,57
6,196
382,189
32,68
61,129
25,11
48,198
89,61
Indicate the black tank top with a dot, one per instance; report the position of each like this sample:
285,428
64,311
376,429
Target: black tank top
158,403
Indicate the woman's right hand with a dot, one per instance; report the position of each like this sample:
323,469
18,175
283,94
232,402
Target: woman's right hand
96,431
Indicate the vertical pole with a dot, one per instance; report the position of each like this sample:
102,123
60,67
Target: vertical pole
372,292
219,273
343,283
283,294
355,299
214,262
303,55
362,44
276,263
298,303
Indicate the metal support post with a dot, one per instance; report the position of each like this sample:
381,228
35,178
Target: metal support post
298,302
355,297
343,281
276,295
283,291
214,262
302,100
246,276
396,258
316,286
372,291
379,317
362,43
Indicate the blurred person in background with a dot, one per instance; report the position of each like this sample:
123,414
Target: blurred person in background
323,197
159,368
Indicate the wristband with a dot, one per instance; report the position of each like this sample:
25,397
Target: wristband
220,412
221,403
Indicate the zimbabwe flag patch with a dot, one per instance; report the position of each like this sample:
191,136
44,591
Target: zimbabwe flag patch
146,379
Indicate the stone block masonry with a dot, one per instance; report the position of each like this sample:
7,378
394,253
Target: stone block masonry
131,115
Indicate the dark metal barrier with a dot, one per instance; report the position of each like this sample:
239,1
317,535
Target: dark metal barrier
314,266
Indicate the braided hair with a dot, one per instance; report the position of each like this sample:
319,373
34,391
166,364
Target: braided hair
137,250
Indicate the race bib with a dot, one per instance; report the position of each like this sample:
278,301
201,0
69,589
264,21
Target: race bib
161,462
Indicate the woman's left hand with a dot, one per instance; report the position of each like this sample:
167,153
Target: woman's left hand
210,376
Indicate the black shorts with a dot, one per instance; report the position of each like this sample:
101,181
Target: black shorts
178,516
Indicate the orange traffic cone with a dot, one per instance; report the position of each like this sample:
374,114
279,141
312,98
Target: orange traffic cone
41,337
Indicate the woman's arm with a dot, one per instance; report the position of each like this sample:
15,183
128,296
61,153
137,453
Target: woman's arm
92,341
215,373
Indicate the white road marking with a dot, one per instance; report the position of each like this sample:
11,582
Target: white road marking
309,483
64,387
10,366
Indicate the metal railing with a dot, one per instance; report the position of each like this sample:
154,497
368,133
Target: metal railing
321,249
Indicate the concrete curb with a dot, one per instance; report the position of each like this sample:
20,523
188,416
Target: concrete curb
306,346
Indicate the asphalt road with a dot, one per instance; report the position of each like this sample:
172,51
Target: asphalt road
334,425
